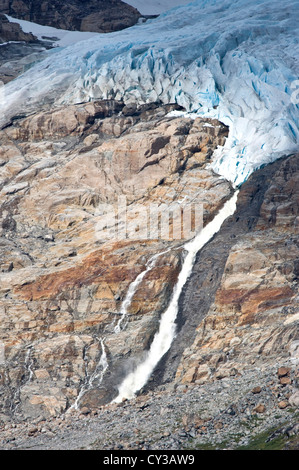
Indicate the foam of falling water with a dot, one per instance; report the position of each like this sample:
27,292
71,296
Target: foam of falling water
165,335
28,364
133,288
97,375
103,365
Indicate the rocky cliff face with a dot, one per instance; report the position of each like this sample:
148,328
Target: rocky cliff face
83,288
65,275
62,284
18,49
13,32
240,306
93,15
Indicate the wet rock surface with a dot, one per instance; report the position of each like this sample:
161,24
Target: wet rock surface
232,371
64,276
240,305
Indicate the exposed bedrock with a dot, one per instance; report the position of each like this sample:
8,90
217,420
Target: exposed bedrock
13,32
92,15
64,275
240,306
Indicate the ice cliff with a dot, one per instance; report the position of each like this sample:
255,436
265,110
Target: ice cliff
236,61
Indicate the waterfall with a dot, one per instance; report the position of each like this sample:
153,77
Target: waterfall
28,364
165,335
97,376
133,288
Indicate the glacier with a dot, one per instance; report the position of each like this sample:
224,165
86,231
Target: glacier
62,37
236,61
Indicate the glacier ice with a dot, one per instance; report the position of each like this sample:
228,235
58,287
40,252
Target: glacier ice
236,61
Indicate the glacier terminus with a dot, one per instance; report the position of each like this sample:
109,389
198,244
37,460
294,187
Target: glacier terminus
233,61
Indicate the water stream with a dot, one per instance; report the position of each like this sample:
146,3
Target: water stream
96,377
133,288
166,333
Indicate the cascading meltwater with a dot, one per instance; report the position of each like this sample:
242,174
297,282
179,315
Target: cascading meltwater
166,333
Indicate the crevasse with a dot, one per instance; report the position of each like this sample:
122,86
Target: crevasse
236,61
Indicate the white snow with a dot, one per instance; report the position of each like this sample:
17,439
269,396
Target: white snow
155,7
234,60
65,38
